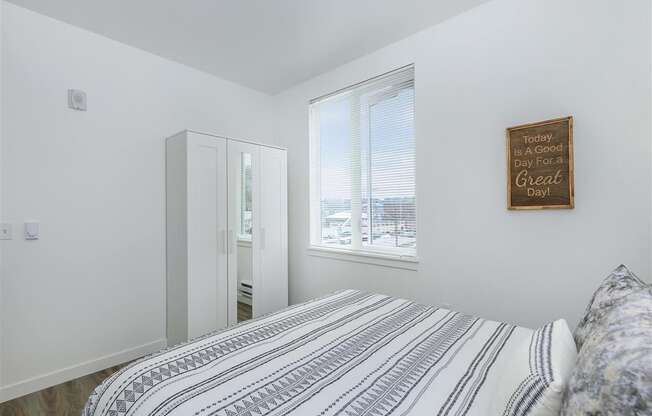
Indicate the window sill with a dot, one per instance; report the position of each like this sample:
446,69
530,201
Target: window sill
244,242
378,259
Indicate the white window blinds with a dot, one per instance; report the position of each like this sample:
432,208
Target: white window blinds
363,189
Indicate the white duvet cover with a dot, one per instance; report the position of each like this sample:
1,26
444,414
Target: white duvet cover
351,353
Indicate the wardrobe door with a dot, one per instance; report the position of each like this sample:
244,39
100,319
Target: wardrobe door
207,225
272,230
243,177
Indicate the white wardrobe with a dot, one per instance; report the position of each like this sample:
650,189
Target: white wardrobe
226,224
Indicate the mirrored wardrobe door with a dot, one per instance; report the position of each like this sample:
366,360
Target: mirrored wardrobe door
243,201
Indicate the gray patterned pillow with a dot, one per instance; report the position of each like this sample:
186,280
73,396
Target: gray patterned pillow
533,381
613,375
621,282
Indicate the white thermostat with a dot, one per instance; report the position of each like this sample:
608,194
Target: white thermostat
77,100
32,230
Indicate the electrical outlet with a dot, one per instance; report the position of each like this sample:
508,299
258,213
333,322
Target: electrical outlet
5,231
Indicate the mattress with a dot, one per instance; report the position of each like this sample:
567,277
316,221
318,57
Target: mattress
350,353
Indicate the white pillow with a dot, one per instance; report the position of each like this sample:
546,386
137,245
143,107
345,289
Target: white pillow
535,376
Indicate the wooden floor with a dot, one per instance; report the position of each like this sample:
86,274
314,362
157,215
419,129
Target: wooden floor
67,399
244,312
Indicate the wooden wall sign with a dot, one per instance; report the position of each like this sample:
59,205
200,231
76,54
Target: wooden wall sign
540,165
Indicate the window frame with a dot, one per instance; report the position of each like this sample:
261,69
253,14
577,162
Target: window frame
395,257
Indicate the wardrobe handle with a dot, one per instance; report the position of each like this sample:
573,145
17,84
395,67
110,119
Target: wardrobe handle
224,243
262,238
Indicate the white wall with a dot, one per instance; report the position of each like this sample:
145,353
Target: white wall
504,63
90,292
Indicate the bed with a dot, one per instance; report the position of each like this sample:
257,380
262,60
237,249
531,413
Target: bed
349,353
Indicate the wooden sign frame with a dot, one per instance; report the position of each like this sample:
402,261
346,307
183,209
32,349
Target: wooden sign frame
570,172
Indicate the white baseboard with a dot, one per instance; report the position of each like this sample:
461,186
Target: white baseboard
53,378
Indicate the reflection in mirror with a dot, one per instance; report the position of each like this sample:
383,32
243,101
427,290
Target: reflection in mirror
245,196
245,282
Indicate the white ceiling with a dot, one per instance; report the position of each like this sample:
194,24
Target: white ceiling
268,45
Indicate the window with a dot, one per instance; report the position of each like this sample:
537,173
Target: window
363,188
245,197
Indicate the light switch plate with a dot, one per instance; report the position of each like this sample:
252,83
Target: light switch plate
5,231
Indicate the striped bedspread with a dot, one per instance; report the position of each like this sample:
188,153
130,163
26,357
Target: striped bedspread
351,353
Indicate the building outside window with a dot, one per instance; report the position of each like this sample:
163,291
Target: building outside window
363,160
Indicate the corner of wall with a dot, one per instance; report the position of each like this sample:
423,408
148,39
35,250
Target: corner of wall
46,380
2,4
